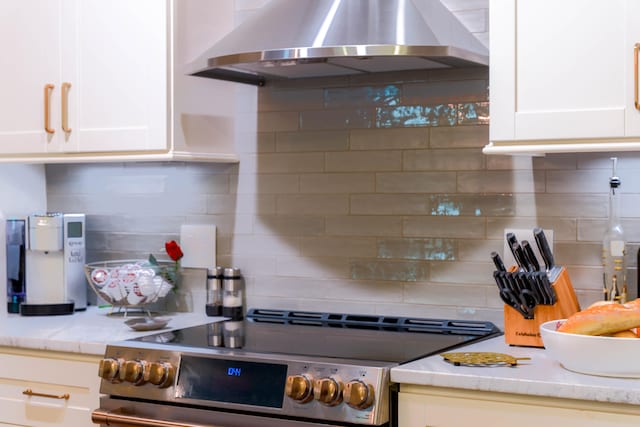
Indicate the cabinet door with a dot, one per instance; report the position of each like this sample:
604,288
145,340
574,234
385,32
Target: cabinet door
31,58
560,70
119,98
49,381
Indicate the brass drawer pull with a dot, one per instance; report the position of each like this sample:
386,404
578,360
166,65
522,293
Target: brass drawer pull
30,392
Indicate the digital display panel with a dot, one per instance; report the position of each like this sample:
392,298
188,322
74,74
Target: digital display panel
220,380
74,229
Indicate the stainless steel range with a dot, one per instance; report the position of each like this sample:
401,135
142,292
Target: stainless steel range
275,368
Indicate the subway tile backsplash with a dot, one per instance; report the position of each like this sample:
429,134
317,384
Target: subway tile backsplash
359,197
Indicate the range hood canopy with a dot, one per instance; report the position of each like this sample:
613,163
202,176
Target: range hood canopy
293,39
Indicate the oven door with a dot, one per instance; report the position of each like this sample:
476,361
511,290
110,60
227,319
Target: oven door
125,413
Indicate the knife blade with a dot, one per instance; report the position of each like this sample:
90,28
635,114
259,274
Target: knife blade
530,255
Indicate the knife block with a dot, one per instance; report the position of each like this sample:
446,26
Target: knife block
519,331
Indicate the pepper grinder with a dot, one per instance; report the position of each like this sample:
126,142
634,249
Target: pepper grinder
232,294
214,291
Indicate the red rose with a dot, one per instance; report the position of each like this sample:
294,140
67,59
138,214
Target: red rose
173,250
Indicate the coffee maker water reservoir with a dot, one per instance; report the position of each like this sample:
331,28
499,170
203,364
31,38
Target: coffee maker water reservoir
55,256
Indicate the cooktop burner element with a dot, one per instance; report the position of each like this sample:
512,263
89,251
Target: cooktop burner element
280,363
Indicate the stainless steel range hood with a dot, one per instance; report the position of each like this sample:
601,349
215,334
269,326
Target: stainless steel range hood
294,39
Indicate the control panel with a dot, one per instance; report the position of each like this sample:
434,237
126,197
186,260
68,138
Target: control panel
261,383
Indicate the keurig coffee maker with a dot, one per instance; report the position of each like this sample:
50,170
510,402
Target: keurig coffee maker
55,258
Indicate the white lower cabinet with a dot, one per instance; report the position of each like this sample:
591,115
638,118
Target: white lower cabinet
420,406
42,388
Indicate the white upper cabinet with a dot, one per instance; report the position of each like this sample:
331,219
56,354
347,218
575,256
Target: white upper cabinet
93,80
30,62
562,76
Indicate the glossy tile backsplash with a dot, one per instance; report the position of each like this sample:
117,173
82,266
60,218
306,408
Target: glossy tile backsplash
364,195
346,216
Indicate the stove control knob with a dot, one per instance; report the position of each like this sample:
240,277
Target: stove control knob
299,388
328,391
132,371
160,374
358,395
108,369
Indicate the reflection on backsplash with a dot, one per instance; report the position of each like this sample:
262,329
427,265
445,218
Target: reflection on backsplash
365,197
433,115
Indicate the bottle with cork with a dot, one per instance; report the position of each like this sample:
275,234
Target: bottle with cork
614,247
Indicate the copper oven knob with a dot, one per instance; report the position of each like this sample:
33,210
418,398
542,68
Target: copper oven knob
108,369
327,391
160,374
358,394
132,371
299,388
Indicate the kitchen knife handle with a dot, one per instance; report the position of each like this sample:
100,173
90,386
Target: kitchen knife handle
511,240
498,261
543,245
530,255
520,258
47,101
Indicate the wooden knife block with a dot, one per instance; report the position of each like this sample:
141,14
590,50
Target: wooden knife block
526,332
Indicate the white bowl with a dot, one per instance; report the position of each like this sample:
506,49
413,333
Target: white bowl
593,355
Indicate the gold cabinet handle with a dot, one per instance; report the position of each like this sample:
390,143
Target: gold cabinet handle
636,47
65,107
47,95
30,392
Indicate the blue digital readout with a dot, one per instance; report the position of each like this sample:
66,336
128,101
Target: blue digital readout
234,372
232,381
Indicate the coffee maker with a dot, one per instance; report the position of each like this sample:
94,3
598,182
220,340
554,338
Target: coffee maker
16,267
55,258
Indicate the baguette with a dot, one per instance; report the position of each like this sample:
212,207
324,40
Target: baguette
624,334
603,319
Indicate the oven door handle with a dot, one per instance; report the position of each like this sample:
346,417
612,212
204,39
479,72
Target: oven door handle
118,419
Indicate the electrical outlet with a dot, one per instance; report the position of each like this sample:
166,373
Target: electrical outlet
524,234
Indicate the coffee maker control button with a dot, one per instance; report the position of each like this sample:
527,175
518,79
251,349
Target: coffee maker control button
358,395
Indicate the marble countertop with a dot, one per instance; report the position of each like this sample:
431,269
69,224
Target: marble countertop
86,332
540,376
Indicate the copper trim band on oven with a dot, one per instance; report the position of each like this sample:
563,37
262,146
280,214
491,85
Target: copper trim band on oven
117,419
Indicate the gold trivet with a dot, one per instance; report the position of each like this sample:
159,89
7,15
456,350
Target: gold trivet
481,359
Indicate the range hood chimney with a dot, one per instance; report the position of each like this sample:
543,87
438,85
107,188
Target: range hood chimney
295,39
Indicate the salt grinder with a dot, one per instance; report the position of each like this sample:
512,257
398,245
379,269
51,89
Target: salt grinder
232,294
214,291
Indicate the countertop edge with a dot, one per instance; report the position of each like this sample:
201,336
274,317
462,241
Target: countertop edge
539,376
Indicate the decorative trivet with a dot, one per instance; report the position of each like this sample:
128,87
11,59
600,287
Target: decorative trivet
481,359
